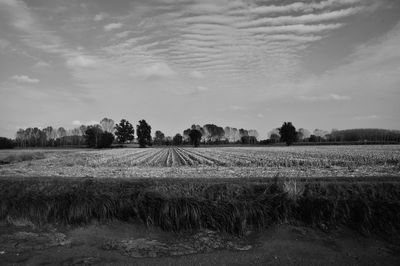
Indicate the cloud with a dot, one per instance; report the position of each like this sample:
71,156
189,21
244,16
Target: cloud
81,61
329,97
25,79
238,108
187,90
302,19
41,64
260,116
297,7
157,70
100,17
112,26
4,44
202,88
123,34
367,117
78,122
196,74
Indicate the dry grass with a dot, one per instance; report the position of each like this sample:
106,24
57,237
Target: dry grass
233,206
9,158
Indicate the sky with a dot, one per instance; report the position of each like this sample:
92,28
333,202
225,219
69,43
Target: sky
242,63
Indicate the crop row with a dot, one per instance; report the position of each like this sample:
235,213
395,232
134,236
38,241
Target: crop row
321,157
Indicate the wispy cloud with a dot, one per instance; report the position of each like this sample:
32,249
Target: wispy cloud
366,117
100,17
80,61
25,79
112,26
79,123
42,64
238,108
329,97
196,74
156,70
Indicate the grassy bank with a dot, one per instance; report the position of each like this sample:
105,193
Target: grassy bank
370,205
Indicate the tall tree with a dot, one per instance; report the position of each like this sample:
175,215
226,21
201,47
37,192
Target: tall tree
97,138
93,136
177,140
288,133
195,137
124,131
143,132
159,138
107,125
61,133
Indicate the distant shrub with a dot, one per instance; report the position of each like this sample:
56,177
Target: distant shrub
6,143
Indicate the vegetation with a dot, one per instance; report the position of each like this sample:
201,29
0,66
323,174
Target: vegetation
108,125
288,133
159,138
211,134
96,138
232,206
21,157
6,143
195,137
143,132
124,131
177,140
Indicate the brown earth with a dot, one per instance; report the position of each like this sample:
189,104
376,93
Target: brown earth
119,243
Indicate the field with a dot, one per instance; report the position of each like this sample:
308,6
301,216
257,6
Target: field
222,162
182,200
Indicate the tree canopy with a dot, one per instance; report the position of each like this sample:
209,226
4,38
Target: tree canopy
177,140
288,133
124,131
97,138
195,137
159,138
143,132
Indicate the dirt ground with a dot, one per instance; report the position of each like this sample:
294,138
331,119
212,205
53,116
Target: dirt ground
120,243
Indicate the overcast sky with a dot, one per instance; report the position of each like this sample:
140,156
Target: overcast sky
241,63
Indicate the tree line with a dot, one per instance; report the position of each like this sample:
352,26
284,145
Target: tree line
288,134
107,133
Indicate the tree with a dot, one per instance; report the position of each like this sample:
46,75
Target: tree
93,135
303,134
288,133
195,137
96,138
159,138
107,125
274,138
106,140
6,143
213,132
177,140
124,131
143,132
61,133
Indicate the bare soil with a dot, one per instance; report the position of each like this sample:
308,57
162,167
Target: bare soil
120,243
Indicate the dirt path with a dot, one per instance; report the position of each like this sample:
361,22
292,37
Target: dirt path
122,244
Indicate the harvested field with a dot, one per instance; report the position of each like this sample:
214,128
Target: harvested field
240,200
208,162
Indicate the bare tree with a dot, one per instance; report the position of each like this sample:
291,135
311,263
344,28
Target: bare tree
107,124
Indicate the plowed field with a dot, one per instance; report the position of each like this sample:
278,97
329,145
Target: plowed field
205,162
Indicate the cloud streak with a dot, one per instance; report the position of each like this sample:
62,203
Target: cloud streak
25,79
